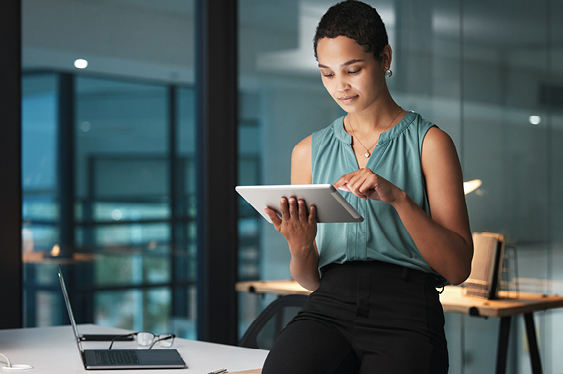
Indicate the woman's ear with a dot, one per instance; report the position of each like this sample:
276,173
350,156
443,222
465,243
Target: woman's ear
386,56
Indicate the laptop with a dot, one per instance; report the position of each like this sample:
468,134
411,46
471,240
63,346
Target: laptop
112,359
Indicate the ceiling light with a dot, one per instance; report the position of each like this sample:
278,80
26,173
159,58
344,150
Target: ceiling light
535,120
80,63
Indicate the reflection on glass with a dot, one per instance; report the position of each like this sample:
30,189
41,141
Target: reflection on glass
39,184
130,269
125,211
134,217
463,65
123,207
134,310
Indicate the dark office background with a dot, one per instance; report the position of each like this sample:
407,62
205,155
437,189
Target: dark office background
123,179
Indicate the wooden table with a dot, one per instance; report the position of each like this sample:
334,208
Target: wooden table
453,300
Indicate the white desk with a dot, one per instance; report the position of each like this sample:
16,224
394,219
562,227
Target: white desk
53,350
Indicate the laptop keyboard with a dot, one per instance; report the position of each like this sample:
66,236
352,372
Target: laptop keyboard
117,357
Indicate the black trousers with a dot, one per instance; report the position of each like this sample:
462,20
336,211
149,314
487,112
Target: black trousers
366,317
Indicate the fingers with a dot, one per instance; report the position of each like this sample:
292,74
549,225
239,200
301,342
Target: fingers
312,214
293,209
348,182
298,209
284,208
276,220
302,210
297,222
366,187
361,183
341,183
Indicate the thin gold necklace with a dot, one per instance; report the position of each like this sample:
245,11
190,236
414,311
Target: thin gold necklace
367,154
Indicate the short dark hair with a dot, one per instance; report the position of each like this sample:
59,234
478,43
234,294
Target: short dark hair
355,20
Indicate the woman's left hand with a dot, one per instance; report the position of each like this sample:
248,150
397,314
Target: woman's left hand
365,184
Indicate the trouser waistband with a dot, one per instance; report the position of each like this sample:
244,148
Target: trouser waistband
392,271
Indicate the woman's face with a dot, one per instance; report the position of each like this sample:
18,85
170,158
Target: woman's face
353,77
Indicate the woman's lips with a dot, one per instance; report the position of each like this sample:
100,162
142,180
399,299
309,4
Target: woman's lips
347,99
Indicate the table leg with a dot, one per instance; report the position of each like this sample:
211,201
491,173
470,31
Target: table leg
502,349
533,343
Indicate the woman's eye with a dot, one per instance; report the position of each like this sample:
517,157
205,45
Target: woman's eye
354,71
327,75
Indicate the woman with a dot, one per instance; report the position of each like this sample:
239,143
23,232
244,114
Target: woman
375,307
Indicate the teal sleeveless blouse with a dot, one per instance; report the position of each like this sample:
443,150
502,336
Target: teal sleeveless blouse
381,236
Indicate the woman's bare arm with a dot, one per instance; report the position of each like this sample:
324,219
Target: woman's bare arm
444,239
298,224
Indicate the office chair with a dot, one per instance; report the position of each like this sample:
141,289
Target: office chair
264,330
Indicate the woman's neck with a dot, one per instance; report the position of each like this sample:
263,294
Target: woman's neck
375,119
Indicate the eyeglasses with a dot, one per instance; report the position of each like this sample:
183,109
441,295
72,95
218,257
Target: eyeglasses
147,339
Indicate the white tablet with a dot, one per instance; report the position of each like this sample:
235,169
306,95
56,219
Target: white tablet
331,206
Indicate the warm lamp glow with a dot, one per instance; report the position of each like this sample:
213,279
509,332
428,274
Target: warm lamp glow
56,250
471,185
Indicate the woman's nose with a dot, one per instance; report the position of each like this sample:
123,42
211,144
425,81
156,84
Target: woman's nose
342,84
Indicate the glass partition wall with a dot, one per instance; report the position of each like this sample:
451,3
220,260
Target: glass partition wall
123,224
486,73
108,159
109,167
109,175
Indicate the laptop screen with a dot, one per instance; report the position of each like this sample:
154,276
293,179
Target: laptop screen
69,309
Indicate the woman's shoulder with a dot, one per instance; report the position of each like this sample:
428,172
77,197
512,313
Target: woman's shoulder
301,162
302,150
438,147
438,139
303,147
420,130
429,131
419,122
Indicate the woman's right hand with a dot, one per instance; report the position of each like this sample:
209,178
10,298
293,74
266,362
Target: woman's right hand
297,223
299,227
